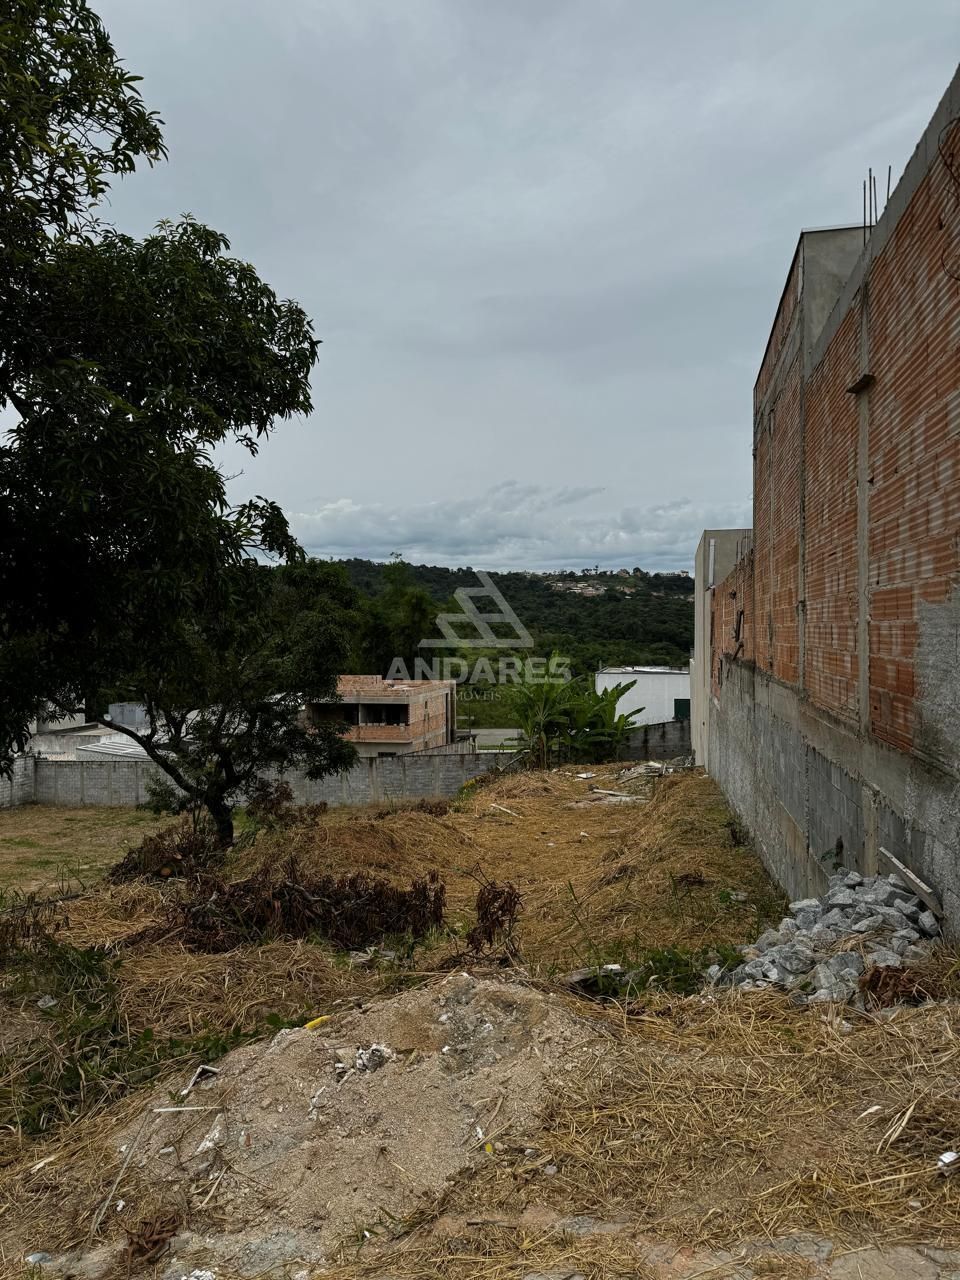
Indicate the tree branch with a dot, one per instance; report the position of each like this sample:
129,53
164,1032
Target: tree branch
146,742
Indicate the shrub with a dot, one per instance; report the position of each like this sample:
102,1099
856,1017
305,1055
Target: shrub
163,797
498,906
270,805
178,850
350,911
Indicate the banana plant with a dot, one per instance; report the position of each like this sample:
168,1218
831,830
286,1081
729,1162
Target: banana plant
570,720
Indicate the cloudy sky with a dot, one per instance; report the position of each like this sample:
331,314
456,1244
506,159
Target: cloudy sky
542,241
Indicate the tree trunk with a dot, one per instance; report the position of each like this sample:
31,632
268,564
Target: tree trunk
222,816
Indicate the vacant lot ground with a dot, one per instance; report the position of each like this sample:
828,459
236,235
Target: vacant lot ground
600,880
685,1134
42,846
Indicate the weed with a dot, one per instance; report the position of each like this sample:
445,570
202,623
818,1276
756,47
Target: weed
641,968
883,987
149,1239
834,856
182,849
350,911
739,836
436,808
86,1053
270,806
498,906
678,969
26,922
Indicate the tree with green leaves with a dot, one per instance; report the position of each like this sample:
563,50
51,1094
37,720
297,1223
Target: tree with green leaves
124,569
71,119
394,621
230,709
114,521
570,720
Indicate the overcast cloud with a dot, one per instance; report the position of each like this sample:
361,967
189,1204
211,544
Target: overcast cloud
542,240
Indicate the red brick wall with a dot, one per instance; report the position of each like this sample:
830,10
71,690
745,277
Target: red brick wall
914,444
786,441
830,559
763,500
779,332
732,621
807,445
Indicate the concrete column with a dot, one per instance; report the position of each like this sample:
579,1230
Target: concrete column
802,549
871,840
863,512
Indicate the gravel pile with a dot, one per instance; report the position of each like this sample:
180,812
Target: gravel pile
825,944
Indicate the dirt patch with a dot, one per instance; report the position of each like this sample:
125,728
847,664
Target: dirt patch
319,1137
597,884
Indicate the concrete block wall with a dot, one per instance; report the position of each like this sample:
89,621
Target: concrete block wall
74,783
376,781
836,715
800,780
663,741
19,787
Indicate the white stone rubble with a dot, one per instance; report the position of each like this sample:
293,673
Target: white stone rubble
888,925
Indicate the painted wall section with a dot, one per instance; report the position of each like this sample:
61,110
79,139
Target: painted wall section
654,695
834,644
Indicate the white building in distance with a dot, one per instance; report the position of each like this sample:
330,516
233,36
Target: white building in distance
660,693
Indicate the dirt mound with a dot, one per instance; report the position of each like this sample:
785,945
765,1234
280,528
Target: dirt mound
325,1134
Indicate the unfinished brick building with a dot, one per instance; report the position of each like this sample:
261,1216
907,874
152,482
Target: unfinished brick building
831,708
392,717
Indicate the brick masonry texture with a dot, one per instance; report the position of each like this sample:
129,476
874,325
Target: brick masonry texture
835,644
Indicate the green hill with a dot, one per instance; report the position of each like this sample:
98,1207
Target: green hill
593,618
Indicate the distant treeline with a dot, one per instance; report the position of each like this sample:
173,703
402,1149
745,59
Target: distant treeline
646,618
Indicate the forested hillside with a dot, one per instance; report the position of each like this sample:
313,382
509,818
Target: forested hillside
594,618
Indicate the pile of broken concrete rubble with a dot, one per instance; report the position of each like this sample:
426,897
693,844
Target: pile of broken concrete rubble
820,950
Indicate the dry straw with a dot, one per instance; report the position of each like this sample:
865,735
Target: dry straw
704,1120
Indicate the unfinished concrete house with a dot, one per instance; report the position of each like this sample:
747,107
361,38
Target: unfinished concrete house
826,691
389,718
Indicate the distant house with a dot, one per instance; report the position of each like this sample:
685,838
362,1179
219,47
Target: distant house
660,693
73,737
389,718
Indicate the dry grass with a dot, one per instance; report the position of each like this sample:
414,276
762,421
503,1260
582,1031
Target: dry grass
596,881
715,1124
41,846
705,1121
50,1191
706,1125
743,1117
50,1188
590,877
182,993
490,1251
